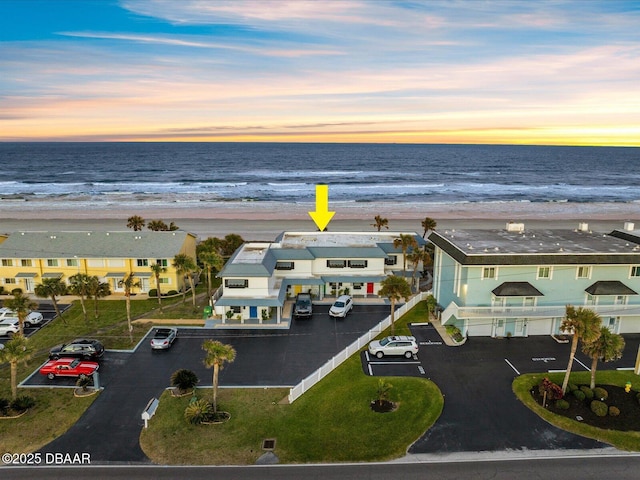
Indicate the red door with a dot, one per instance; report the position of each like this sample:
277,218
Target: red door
369,288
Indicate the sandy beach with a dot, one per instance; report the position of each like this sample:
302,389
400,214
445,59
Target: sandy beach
265,220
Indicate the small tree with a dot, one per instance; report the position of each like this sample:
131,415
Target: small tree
405,242
607,347
79,286
83,382
129,283
380,222
186,266
549,391
22,305
584,324
394,288
383,390
136,222
211,259
157,270
52,288
217,355
198,411
97,289
15,351
428,224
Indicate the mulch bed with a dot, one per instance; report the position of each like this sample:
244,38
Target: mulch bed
383,406
628,420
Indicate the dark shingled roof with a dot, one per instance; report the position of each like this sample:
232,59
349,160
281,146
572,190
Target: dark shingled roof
611,287
516,289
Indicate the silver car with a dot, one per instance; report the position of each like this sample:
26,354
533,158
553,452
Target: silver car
341,307
9,327
395,345
164,338
34,318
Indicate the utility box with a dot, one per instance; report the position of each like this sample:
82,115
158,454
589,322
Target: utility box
208,312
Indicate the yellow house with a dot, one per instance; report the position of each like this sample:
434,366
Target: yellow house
28,257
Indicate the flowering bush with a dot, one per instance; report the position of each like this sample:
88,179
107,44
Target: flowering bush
552,391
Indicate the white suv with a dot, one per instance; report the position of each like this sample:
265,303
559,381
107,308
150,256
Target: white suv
9,327
34,318
397,345
341,307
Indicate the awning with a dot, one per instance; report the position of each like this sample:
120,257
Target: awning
516,289
26,275
52,275
302,281
352,279
610,287
248,302
116,275
142,274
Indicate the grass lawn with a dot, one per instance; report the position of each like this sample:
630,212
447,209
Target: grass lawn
333,422
628,440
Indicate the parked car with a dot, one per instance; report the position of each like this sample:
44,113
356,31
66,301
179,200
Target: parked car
79,348
164,338
341,307
68,367
303,306
395,345
9,327
33,318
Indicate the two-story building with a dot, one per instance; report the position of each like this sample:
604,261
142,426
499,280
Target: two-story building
517,282
260,276
28,257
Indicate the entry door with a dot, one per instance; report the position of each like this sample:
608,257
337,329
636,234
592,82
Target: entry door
253,312
370,288
297,289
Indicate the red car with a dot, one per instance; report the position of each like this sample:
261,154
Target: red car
68,367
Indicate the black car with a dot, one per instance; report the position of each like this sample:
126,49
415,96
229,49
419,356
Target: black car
303,306
79,348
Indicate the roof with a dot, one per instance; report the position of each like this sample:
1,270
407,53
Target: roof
610,287
341,239
91,244
539,247
516,289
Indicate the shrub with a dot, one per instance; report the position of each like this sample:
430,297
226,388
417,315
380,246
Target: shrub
599,408
1,290
579,394
153,292
16,291
198,411
562,404
454,332
572,387
588,393
22,403
184,379
172,292
4,406
600,393
553,391
614,411
83,382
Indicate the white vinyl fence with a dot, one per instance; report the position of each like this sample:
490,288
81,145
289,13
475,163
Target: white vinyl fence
308,382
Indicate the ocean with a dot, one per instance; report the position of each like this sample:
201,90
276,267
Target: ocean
169,173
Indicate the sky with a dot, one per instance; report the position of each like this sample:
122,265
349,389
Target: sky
514,72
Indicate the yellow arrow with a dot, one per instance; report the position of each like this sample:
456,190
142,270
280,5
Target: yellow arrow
322,216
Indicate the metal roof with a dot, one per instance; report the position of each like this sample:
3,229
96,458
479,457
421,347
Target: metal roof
516,289
609,287
91,244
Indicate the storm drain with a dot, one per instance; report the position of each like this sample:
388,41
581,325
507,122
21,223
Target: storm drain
269,444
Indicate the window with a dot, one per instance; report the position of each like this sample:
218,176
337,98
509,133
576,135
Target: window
72,262
162,261
635,271
52,262
489,272
11,281
142,262
391,260
165,281
25,262
336,263
285,265
583,272
236,309
95,262
358,286
7,262
115,262
358,263
544,272
236,283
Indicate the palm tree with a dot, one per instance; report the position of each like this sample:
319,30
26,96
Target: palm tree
52,288
128,283
157,226
217,355
186,266
417,257
585,326
136,222
211,259
173,227
428,224
405,242
380,222
79,286
15,351
607,347
158,269
394,288
97,289
22,305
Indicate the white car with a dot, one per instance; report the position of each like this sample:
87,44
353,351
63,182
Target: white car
395,345
34,318
341,307
9,327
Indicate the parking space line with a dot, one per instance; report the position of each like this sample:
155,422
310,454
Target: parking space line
586,368
511,365
394,363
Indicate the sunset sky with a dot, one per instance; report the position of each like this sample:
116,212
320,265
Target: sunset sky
525,72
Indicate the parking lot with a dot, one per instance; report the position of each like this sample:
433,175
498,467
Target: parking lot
48,313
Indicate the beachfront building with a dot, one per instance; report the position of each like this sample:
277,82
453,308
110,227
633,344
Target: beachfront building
517,282
261,276
26,258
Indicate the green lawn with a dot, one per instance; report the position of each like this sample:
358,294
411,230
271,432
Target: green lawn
332,422
623,440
